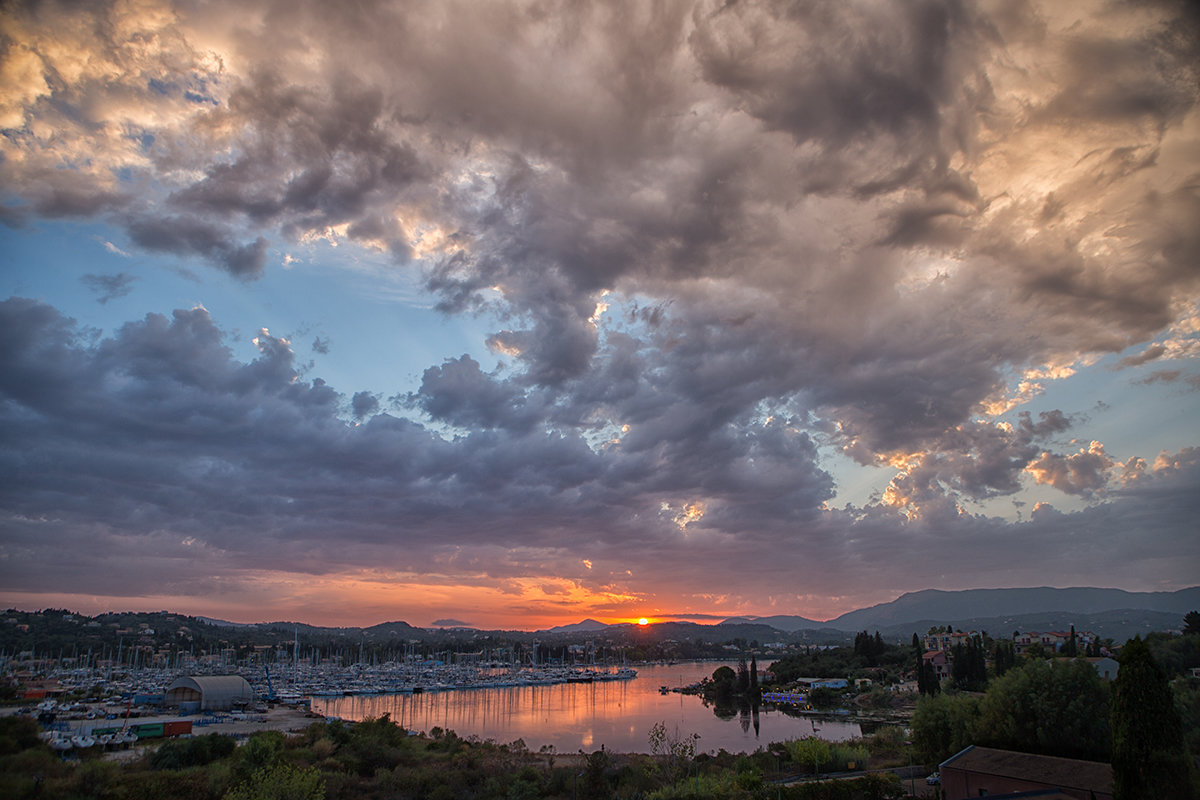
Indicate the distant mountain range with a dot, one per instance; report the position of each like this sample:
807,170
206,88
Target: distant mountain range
587,626
1113,613
941,607
780,622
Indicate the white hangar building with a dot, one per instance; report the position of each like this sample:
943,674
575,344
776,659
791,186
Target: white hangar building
210,692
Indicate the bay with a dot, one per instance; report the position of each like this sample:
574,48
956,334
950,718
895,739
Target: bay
584,716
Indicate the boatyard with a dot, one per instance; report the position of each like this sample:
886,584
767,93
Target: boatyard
137,701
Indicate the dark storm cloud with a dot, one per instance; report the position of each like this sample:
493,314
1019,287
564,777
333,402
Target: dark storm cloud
189,236
364,404
844,224
459,393
157,438
109,287
824,73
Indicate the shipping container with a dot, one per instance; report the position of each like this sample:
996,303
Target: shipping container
148,730
177,727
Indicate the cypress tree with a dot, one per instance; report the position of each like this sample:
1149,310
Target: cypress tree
1149,759
927,682
980,665
923,687
1003,656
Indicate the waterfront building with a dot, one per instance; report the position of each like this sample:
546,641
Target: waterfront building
209,692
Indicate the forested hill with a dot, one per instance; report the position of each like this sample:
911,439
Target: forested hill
1114,609
983,603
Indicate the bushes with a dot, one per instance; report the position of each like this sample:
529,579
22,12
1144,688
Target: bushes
281,782
195,752
817,755
17,734
887,745
262,749
877,786
377,760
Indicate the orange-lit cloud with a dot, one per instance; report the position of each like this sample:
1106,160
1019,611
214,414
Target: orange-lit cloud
624,310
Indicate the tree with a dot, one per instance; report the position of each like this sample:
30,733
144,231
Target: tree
743,676
1055,709
942,725
969,668
1191,623
1071,648
810,751
869,648
927,680
918,652
722,686
754,676
1149,760
1004,657
673,751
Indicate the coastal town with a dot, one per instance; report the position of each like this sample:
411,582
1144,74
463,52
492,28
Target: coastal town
124,706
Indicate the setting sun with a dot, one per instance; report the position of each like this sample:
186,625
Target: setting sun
643,621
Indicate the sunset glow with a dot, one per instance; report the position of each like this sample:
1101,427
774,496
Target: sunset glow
344,314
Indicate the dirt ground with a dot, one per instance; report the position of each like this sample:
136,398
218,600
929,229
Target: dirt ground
288,720
285,720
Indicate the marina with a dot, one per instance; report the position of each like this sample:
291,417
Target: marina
567,708
569,717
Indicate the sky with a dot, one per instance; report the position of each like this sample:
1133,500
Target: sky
511,314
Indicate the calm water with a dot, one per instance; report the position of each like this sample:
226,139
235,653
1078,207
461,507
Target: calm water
574,716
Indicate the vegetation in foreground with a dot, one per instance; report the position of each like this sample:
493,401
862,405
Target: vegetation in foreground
377,759
1146,723
1034,704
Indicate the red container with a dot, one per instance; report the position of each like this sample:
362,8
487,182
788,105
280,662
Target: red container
177,727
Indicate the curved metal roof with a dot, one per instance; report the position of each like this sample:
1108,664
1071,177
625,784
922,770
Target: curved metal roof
216,691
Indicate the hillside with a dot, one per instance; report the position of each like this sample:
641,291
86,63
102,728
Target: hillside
1110,613
935,604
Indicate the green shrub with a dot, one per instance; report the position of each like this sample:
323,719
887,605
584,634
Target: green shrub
18,734
876,786
281,782
194,752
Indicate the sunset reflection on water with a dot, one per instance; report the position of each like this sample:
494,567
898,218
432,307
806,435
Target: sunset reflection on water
574,716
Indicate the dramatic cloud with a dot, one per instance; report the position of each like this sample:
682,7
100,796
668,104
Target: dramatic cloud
1079,473
723,242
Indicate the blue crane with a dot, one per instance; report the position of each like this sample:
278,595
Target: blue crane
270,688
